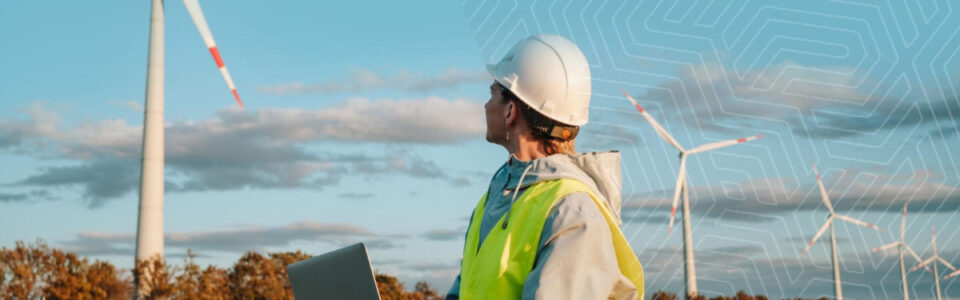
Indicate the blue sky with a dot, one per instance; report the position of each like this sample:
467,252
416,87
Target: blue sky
363,122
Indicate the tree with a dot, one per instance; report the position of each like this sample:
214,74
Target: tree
65,277
214,283
255,276
194,283
154,277
39,271
423,291
390,288
23,264
661,295
107,282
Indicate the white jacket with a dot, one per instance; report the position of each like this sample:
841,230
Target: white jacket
575,257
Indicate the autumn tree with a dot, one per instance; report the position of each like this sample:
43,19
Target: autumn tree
154,278
661,295
24,265
107,281
255,276
425,292
390,288
207,284
65,277
38,271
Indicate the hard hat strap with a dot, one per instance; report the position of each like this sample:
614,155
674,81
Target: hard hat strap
541,125
547,127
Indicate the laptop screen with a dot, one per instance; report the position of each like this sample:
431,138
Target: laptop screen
340,274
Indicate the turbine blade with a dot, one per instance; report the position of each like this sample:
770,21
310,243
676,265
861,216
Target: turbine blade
676,192
819,233
823,191
947,264
193,7
903,221
858,222
915,256
656,126
922,264
718,145
885,247
955,273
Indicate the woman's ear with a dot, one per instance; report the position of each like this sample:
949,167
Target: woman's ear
509,114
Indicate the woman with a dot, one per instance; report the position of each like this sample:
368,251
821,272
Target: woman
548,226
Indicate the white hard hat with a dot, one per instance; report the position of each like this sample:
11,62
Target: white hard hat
549,74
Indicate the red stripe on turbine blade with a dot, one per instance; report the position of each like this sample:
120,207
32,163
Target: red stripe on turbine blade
640,108
237,96
216,56
741,140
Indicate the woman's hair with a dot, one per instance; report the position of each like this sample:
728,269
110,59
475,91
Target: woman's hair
540,126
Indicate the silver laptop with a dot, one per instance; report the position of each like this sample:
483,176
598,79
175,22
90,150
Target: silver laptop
339,274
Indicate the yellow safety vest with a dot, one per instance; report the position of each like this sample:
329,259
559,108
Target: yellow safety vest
498,269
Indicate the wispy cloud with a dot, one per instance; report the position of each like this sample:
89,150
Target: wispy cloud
361,80
444,234
813,101
235,240
850,190
264,149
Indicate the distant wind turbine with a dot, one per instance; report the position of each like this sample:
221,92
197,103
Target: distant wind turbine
934,259
690,270
901,245
837,289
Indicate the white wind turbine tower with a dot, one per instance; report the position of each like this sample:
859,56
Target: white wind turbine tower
838,290
150,214
689,268
935,258
901,245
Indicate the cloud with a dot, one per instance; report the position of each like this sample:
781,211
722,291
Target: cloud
851,190
429,120
601,137
263,149
13,197
136,106
444,234
234,240
431,266
26,196
106,179
356,196
362,80
813,101
99,179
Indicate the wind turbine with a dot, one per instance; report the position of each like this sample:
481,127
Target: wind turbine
838,290
901,245
690,270
150,212
935,258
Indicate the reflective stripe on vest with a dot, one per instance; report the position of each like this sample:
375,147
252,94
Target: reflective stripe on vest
499,267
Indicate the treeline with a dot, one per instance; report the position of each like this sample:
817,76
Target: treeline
40,272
